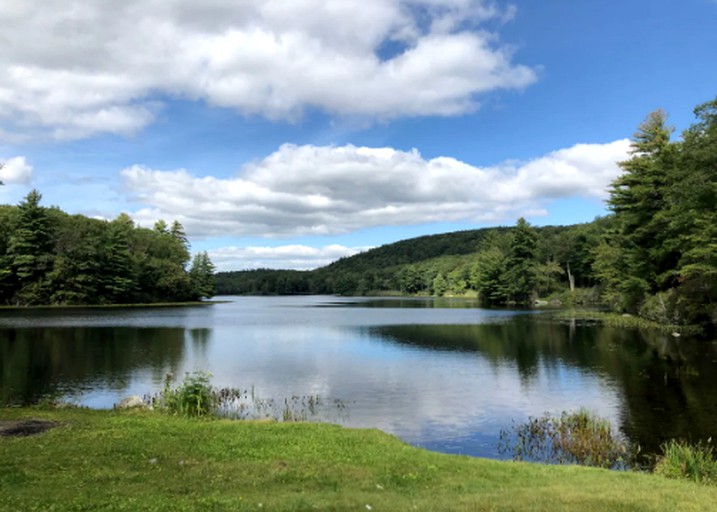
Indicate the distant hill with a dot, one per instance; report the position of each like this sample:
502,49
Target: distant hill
407,266
414,250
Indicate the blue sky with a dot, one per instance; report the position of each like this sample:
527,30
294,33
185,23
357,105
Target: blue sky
287,133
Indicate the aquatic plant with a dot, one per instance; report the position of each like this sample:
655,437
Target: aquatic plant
572,438
195,396
696,462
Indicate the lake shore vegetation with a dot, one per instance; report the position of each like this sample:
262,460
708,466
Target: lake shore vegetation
84,459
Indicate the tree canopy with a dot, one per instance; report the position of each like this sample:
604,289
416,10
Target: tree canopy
50,257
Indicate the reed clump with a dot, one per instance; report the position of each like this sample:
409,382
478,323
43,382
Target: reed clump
571,438
196,397
696,462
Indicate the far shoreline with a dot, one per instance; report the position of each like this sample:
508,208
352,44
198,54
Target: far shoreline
114,306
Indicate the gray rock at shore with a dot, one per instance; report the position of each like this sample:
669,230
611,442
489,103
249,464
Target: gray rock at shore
132,402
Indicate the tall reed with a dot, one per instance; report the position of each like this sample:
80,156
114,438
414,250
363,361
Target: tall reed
694,462
572,438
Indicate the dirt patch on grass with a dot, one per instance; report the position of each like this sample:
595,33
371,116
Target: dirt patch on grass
24,428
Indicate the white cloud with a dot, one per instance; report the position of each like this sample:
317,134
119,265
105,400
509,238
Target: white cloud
85,67
295,257
15,171
326,190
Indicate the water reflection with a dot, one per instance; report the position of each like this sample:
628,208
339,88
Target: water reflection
437,373
37,362
667,386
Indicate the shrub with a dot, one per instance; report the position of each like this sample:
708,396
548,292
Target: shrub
659,308
195,397
692,462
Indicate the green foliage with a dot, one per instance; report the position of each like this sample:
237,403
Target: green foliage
664,242
28,252
470,263
486,275
194,397
659,307
520,274
572,438
440,285
201,276
50,257
411,280
696,462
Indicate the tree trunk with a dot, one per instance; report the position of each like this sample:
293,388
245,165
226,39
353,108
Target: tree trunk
571,279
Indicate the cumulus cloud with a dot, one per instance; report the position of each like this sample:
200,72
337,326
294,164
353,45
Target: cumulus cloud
327,190
294,257
85,67
15,171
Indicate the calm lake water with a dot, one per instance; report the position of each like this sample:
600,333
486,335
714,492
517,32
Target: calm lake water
441,374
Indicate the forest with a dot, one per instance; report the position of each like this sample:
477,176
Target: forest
654,254
48,257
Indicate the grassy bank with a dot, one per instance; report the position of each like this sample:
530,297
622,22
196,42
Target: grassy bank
105,460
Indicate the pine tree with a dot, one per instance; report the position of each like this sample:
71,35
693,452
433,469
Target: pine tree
637,198
520,273
201,276
693,211
29,250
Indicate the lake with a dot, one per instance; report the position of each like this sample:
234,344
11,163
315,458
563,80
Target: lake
438,373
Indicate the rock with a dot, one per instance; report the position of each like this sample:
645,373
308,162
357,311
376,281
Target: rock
132,402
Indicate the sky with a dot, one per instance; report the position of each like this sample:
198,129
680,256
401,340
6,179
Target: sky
290,133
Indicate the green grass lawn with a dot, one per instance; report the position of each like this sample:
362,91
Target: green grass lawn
134,461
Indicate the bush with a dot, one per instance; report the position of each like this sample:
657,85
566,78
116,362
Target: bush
692,462
659,308
195,397
573,438
578,297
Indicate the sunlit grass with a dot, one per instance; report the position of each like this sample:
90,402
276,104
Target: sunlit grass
135,460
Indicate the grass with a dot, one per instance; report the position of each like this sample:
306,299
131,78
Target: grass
143,461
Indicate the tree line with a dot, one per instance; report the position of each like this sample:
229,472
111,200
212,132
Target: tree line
654,255
501,265
50,257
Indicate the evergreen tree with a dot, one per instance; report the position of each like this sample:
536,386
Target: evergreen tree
693,211
76,276
440,285
661,258
201,276
520,273
29,251
637,198
118,284
487,276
